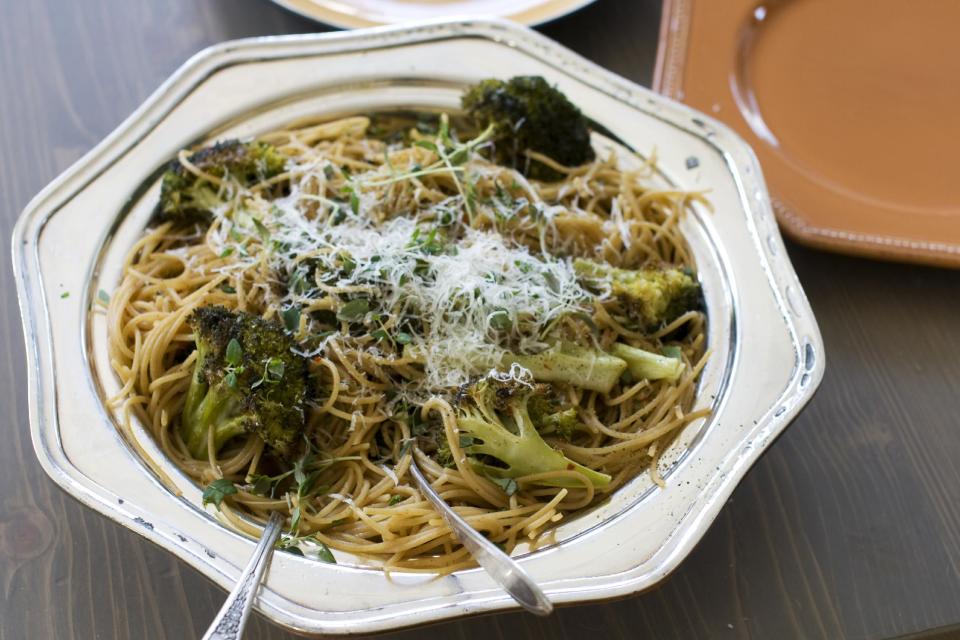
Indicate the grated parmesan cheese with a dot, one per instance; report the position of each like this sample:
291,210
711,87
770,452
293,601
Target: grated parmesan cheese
476,297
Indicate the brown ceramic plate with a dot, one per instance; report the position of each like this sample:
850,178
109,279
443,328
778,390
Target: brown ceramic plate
853,107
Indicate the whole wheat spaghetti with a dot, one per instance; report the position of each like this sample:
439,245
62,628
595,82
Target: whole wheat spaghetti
406,265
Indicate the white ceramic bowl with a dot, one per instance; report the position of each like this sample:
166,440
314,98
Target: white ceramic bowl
767,352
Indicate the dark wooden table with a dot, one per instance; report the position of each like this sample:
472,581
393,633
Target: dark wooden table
849,527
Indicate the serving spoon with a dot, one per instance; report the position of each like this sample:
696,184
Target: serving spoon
489,556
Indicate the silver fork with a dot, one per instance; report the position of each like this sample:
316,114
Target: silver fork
495,562
232,618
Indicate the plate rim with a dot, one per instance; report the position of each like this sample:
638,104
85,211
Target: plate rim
547,11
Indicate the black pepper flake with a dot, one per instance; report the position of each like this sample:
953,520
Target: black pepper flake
693,162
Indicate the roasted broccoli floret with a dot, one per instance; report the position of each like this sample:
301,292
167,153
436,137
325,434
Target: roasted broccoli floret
528,113
551,417
644,364
500,440
246,380
573,364
190,198
652,296
443,454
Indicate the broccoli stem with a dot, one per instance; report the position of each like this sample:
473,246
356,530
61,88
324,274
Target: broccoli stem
651,366
581,367
526,453
589,369
216,411
205,408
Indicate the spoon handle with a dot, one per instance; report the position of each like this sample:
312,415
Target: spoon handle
230,622
498,564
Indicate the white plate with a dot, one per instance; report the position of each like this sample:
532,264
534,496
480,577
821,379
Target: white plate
350,14
767,352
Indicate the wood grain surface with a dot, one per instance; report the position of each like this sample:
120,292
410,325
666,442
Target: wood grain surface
849,527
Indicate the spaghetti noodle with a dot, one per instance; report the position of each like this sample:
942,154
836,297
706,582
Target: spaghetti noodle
378,203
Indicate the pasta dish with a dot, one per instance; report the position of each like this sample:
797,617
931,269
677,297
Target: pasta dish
493,292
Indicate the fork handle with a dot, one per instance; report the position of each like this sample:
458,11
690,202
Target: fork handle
232,618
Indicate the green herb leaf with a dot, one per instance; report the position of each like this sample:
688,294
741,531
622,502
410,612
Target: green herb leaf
354,203
295,521
459,156
426,144
347,264
299,468
509,485
417,426
466,441
103,297
299,283
65,294
354,310
291,318
381,335
551,281
470,189
309,486
226,252
226,288
324,553
403,338
261,485
295,550
394,500
231,379
234,355
275,367
262,231
216,491
500,321
446,218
